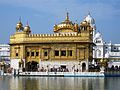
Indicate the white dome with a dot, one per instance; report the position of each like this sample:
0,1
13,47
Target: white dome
98,35
89,19
27,28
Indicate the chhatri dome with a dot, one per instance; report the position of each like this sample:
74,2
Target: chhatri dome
89,19
19,25
27,28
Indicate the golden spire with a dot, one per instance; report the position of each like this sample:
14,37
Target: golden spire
88,12
20,19
27,24
67,16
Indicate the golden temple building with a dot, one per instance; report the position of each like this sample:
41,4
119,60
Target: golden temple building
70,46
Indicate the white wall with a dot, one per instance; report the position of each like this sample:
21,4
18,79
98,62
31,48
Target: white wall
15,63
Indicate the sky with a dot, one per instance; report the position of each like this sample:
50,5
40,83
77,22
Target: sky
43,14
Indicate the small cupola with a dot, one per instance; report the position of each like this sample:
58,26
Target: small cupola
27,28
89,19
19,26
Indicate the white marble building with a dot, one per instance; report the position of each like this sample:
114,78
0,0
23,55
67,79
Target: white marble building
106,50
5,53
99,49
103,49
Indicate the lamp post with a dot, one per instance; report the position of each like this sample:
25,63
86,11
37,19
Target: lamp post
3,67
103,63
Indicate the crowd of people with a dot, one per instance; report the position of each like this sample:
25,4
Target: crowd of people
53,69
92,68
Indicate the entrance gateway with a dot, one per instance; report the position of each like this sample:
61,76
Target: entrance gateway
63,66
83,66
32,66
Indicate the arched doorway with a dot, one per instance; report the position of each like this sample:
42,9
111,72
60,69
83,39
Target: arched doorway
112,67
32,66
116,68
83,67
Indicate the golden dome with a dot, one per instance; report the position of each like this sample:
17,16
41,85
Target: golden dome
19,25
27,28
66,24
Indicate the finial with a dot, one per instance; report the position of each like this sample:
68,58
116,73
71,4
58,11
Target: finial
27,24
88,12
76,21
67,17
110,41
20,19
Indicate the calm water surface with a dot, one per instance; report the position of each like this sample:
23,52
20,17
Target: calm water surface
59,83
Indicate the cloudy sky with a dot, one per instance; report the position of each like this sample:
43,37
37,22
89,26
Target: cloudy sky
43,14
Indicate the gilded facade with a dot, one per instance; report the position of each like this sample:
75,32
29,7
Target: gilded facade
70,45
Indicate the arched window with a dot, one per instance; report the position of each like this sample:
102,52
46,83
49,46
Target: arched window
98,53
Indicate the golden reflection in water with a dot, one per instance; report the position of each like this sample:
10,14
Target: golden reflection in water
24,83
54,83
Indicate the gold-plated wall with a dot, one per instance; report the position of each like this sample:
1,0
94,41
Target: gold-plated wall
69,42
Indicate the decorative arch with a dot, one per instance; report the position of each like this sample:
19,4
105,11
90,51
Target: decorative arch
84,66
112,67
116,67
98,53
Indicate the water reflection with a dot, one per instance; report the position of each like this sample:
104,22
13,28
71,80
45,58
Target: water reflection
57,83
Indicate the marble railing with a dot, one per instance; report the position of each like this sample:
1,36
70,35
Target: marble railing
114,54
